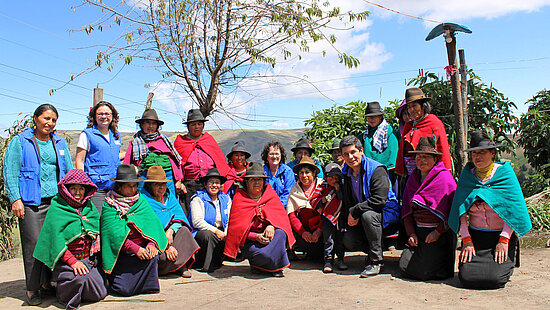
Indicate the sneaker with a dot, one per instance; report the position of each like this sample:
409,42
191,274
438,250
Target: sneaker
328,267
370,270
341,265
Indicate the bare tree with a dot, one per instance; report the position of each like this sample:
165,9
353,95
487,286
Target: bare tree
210,46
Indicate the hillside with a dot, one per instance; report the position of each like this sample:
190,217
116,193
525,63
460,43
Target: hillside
254,139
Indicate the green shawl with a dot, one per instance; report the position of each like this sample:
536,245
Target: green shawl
115,229
62,226
502,193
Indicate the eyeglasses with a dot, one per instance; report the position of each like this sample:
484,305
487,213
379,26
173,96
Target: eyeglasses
212,182
104,114
274,154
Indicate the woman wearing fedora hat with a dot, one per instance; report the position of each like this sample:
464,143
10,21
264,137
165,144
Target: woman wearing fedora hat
181,245
489,212
425,209
150,148
131,237
210,209
199,153
422,124
259,226
98,149
237,163
303,148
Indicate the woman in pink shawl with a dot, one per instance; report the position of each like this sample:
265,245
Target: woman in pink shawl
426,204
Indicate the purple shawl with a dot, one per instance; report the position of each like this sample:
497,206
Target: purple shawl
435,193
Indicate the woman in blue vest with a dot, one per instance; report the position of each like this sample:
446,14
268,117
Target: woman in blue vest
209,214
35,161
98,149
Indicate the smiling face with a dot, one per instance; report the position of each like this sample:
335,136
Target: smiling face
45,123
425,162
158,189
103,116
483,158
128,189
213,186
337,156
416,110
149,126
306,176
78,191
238,159
274,156
195,128
333,180
352,156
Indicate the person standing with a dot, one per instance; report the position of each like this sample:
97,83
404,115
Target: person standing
303,148
36,159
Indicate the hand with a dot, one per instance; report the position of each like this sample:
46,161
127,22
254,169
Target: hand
336,186
79,268
170,236
180,187
306,235
172,253
432,237
269,232
183,188
220,234
143,254
467,253
262,239
316,235
18,209
501,252
413,240
352,221
152,249
324,199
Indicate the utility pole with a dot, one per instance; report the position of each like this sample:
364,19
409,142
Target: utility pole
464,89
448,30
149,101
98,95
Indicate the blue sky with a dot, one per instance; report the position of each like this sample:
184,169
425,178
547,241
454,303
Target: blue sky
508,48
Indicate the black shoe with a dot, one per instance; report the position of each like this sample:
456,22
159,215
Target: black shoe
291,255
328,267
278,274
341,265
34,300
255,270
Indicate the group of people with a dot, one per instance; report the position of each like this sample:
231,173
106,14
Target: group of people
119,220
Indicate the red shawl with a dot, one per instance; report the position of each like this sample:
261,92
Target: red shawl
430,125
331,209
185,146
243,211
232,177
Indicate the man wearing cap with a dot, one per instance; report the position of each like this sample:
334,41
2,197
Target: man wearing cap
369,204
303,148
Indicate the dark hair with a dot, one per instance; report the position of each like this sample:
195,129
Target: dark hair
114,122
307,168
158,125
116,187
437,157
350,140
211,177
427,107
274,144
147,187
300,148
245,184
43,108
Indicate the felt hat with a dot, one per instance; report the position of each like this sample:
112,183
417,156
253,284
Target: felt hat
155,174
426,145
238,147
255,170
126,174
335,145
402,107
306,162
195,115
150,114
480,140
333,169
303,143
213,173
373,109
415,94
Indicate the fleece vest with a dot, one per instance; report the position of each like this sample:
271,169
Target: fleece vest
210,208
102,158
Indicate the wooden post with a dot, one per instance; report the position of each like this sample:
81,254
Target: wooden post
98,95
149,101
464,89
450,42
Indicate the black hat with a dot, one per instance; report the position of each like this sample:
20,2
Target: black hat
333,169
150,114
426,145
306,162
238,147
480,140
126,174
255,170
335,145
303,143
213,173
195,115
373,109
415,94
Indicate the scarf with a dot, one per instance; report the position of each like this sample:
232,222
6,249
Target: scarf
115,228
331,209
297,198
484,174
243,211
185,146
121,203
435,193
502,193
79,177
140,148
380,137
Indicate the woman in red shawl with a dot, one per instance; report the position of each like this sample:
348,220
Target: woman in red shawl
237,163
199,153
421,124
258,225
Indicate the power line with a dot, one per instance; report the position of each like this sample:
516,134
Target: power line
401,13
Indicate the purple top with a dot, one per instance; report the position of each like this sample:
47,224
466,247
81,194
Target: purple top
356,186
198,164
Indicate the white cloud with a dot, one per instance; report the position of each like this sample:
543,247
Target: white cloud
280,125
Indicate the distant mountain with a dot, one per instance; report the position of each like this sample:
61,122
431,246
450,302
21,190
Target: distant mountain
254,139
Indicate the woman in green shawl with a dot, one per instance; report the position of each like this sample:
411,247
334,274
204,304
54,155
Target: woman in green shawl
489,212
131,237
